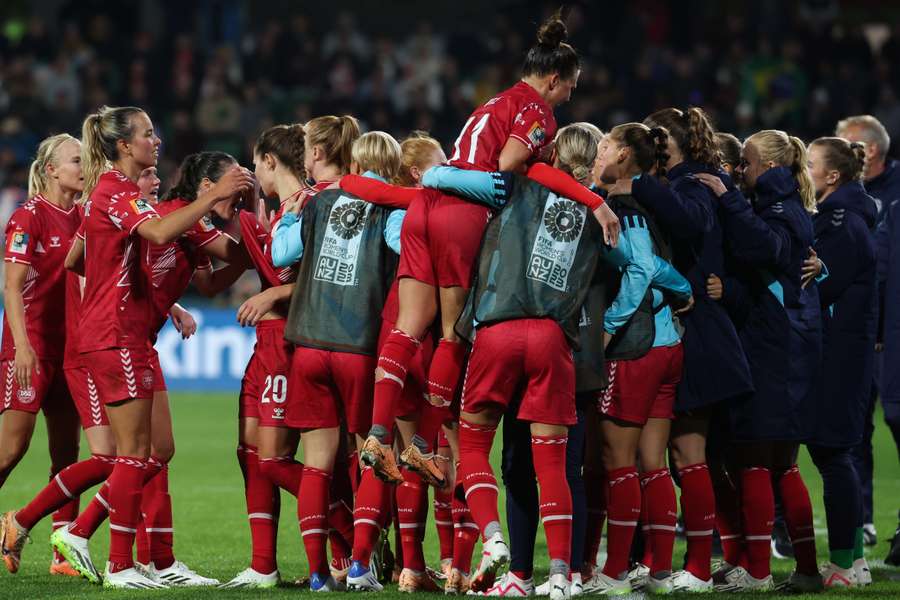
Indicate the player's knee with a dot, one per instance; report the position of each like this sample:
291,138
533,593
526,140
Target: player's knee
164,452
10,455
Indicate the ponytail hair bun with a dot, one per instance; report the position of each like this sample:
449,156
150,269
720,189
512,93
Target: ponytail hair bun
551,54
552,33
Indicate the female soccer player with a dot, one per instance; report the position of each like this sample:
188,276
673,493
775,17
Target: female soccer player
116,323
643,373
715,367
781,333
442,235
848,295
344,276
265,447
34,325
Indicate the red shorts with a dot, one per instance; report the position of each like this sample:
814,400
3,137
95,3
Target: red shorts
159,381
416,375
48,388
326,386
643,388
527,357
264,388
441,238
87,398
121,373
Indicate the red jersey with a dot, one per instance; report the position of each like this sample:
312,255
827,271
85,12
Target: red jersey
116,306
74,283
519,113
38,235
170,267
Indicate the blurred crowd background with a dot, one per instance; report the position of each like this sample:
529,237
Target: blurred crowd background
213,73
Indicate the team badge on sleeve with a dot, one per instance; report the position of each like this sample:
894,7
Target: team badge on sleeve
18,242
536,134
206,225
141,206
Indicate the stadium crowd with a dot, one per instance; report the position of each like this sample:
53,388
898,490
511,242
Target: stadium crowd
668,295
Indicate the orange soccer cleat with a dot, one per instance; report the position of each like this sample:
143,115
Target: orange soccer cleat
12,539
425,465
381,458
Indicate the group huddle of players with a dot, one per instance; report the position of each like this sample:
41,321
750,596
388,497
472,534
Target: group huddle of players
615,295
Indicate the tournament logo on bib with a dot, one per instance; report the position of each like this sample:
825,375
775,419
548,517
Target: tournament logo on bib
556,243
339,255
347,220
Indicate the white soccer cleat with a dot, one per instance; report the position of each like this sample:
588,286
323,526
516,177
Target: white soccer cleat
720,571
658,587
740,580
559,587
600,583
638,574
327,584
836,577
361,579
75,550
576,586
511,586
250,579
178,574
130,579
685,581
496,552
863,574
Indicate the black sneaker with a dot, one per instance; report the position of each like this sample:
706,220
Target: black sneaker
893,557
781,541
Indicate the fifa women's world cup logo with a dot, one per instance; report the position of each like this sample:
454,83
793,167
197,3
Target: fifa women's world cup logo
347,220
563,221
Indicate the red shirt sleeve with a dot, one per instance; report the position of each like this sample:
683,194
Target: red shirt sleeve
79,233
531,126
378,192
22,234
564,185
202,233
128,210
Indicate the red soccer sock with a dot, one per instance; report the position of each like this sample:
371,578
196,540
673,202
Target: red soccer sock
156,507
262,500
65,486
98,509
353,471
465,536
475,473
445,372
728,522
142,543
283,471
758,507
644,523
623,512
595,490
659,500
125,485
431,418
412,509
367,516
443,521
340,515
698,505
396,355
798,517
549,456
312,507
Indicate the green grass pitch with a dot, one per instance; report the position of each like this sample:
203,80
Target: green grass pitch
212,535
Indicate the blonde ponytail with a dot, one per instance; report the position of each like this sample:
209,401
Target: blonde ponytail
778,147
46,155
335,135
576,149
99,134
798,167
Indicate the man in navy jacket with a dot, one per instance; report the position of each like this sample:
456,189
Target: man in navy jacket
882,182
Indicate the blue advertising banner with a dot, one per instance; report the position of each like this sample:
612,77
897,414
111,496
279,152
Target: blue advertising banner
214,358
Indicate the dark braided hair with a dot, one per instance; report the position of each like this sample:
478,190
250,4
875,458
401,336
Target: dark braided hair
285,142
691,131
649,145
194,169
